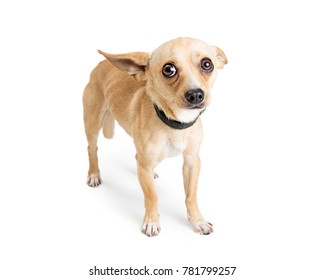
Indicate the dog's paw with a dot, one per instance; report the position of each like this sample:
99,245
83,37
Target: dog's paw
94,180
203,227
150,229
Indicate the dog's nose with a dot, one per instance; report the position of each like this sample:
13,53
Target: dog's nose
194,96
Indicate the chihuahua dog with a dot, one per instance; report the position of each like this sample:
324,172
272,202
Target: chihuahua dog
157,98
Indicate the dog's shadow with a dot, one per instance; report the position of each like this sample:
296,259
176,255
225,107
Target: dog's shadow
122,186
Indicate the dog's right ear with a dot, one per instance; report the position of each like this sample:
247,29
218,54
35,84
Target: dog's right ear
134,63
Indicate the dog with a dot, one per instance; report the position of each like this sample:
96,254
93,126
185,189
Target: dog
157,98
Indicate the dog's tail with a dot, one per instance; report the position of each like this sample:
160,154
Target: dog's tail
108,125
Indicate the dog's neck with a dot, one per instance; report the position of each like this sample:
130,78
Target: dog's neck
173,123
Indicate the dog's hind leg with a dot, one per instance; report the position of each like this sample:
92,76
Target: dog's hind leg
108,125
93,119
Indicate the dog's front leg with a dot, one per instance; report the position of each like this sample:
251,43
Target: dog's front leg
150,224
191,171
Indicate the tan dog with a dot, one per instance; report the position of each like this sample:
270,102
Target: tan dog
157,98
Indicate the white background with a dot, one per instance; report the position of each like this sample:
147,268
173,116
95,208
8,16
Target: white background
262,176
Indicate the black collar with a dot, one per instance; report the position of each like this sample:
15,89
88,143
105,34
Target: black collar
173,123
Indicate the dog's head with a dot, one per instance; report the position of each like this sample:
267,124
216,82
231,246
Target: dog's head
178,75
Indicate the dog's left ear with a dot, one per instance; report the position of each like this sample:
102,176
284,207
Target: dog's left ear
134,63
222,59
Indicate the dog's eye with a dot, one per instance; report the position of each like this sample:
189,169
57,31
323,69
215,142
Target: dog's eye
169,70
206,65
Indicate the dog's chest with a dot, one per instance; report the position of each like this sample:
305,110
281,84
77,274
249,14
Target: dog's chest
174,148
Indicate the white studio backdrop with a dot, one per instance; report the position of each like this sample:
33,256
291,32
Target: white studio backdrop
262,177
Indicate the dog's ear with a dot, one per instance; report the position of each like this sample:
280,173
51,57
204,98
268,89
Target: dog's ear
222,59
134,63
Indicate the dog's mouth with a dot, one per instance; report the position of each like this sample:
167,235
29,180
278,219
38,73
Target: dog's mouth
200,106
187,106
